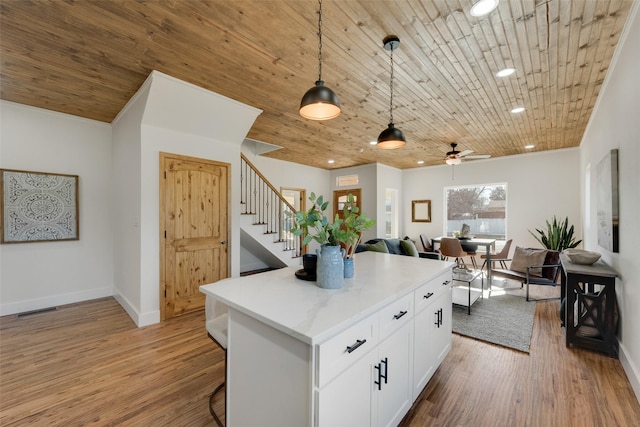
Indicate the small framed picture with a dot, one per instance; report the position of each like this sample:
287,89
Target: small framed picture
421,210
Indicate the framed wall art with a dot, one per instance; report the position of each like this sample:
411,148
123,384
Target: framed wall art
421,210
607,201
38,207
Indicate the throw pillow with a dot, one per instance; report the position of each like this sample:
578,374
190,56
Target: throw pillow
524,257
378,247
409,248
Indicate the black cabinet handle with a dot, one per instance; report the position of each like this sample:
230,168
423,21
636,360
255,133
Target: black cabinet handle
386,369
399,315
446,282
358,343
438,321
378,382
429,295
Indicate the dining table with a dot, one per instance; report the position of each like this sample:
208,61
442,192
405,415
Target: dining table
488,244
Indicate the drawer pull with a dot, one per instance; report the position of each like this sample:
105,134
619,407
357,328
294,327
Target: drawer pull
446,282
399,315
358,343
429,295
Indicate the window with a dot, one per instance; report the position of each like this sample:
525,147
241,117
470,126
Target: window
346,180
482,207
390,213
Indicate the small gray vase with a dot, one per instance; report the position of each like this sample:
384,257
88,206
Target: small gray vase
348,268
330,267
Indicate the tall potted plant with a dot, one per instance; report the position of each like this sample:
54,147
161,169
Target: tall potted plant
558,236
313,224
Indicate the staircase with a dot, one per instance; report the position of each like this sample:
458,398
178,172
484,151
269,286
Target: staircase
265,222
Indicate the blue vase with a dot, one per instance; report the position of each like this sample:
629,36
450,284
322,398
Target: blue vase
330,267
348,268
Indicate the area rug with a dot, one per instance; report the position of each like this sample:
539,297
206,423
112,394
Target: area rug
505,320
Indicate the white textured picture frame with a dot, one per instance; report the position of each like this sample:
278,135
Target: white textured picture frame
38,206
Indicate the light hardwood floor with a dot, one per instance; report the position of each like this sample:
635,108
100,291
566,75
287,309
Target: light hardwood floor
87,364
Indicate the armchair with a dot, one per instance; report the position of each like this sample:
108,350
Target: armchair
533,267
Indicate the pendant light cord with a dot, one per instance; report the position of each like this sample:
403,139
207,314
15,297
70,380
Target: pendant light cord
320,40
391,85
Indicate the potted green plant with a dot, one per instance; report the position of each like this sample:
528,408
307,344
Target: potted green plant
340,236
558,236
313,224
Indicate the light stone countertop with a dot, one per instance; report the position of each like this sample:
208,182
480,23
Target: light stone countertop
303,310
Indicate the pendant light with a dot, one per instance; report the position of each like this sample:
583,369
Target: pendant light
320,102
391,137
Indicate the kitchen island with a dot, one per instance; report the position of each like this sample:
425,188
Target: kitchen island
299,355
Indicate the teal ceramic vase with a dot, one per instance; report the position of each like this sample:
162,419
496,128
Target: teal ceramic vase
330,267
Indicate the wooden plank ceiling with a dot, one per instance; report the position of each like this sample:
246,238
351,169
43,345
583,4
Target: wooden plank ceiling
88,57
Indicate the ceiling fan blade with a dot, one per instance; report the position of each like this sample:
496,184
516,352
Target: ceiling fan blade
464,153
478,156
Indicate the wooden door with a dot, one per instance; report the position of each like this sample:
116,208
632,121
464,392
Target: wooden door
193,230
340,198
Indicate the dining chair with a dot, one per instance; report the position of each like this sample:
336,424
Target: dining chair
450,247
427,244
217,325
500,257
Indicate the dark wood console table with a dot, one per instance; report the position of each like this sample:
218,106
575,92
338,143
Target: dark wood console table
590,309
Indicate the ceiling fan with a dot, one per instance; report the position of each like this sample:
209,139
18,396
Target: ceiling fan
455,157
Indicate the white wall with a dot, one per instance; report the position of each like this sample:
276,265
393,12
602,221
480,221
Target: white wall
615,123
46,274
127,218
539,185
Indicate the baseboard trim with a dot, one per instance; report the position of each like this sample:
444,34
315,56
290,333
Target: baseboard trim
54,301
140,320
633,374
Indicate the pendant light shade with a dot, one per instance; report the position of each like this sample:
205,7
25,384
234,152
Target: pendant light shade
319,102
392,137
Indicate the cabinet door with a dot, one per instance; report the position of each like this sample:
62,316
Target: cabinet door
393,396
346,400
442,342
432,339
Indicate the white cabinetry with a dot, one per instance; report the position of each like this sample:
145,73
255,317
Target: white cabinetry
432,329
301,356
376,388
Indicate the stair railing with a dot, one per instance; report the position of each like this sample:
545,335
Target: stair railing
261,199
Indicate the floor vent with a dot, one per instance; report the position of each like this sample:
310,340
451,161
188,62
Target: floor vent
31,313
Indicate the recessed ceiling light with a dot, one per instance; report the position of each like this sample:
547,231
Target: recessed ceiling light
420,162
483,7
517,110
529,147
331,162
505,72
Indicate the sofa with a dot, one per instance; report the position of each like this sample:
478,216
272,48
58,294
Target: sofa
404,246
